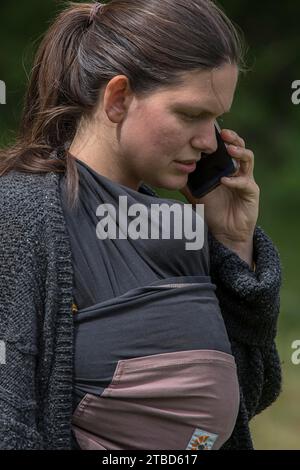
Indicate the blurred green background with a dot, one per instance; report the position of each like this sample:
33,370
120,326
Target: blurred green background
263,114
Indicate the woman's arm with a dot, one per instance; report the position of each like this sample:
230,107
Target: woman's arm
250,305
20,314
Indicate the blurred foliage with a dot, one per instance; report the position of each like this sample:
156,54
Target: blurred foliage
263,114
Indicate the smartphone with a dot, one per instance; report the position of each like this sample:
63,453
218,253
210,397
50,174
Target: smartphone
211,168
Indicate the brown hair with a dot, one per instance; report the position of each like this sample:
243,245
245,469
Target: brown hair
152,42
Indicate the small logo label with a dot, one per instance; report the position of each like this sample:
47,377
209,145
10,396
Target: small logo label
202,440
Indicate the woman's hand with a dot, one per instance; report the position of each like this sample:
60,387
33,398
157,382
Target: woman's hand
232,209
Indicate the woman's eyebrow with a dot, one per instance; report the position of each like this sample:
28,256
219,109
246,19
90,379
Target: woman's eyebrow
199,108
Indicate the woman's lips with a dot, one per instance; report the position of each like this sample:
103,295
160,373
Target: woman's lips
186,167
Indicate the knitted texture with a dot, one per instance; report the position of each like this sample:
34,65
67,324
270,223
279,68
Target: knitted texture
250,305
36,322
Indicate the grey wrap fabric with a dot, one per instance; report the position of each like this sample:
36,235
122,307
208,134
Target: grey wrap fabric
36,321
153,363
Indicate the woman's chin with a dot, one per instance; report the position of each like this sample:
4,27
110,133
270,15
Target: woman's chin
178,181
172,183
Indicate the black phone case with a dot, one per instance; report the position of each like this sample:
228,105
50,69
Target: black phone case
210,169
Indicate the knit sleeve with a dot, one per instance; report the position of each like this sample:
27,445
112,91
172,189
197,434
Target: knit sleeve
250,305
250,300
20,319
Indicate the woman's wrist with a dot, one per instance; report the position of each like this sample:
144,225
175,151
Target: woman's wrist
244,249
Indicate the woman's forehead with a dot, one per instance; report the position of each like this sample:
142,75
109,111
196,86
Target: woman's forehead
209,90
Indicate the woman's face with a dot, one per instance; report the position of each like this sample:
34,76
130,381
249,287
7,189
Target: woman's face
142,139
176,125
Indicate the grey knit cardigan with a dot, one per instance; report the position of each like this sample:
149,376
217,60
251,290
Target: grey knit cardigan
36,323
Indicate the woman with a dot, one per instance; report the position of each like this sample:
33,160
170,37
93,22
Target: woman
102,350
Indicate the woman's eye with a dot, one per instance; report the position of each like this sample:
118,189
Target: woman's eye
189,116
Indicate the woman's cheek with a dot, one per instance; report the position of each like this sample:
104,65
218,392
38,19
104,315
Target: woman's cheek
168,140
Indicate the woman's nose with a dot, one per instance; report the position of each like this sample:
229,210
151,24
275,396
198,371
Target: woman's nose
207,142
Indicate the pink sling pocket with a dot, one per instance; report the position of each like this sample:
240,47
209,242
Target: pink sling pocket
184,400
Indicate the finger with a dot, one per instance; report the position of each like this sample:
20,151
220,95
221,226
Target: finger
233,138
245,184
245,158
